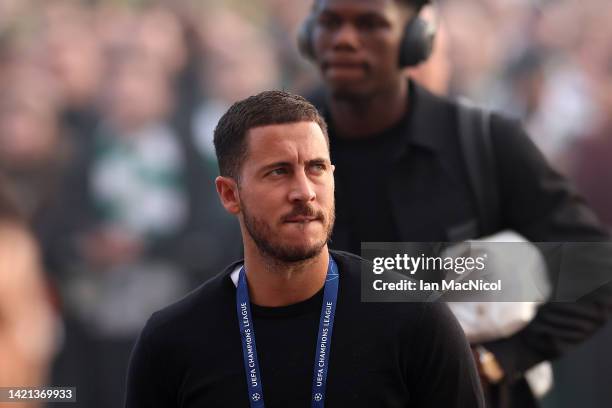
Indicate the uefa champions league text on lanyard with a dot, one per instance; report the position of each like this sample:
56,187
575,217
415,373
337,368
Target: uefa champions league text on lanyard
249,348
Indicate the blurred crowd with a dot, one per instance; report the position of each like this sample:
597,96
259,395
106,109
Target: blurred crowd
107,110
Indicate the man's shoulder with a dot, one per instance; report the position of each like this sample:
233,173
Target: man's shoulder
347,261
351,266
429,104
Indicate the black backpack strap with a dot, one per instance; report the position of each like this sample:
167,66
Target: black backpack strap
475,141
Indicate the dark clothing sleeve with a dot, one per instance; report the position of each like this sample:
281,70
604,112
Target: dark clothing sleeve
536,200
448,375
145,386
540,204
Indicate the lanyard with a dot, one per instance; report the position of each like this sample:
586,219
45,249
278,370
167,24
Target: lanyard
249,348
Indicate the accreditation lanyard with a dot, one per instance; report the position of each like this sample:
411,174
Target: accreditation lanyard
249,349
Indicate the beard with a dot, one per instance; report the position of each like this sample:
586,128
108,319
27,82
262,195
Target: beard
263,235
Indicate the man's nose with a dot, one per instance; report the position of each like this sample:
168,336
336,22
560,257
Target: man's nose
302,188
346,37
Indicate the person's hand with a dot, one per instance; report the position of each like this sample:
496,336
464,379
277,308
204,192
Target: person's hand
489,370
483,379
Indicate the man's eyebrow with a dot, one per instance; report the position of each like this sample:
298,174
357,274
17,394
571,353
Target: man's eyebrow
270,166
318,160
275,165
371,14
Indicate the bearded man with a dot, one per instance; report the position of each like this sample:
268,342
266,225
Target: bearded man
317,344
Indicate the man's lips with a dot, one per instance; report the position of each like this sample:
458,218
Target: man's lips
303,213
344,70
344,65
301,219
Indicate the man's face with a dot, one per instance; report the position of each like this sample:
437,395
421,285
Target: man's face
356,43
286,190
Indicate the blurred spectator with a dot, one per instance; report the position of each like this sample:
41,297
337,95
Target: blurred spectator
283,23
139,219
168,35
12,11
72,53
161,36
551,95
27,320
32,152
238,61
474,52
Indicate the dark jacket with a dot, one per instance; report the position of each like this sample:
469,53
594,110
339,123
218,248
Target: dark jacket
430,200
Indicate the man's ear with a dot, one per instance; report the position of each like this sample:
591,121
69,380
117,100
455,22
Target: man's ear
228,194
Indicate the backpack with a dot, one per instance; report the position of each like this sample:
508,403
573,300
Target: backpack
476,145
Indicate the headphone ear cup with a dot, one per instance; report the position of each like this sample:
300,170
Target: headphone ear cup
417,43
304,38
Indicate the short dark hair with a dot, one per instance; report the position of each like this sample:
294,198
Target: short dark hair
265,108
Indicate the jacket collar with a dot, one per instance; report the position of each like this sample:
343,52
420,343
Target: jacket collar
425,129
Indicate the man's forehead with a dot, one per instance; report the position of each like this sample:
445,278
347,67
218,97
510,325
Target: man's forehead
287,139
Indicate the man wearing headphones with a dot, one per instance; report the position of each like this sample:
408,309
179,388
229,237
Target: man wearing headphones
403,174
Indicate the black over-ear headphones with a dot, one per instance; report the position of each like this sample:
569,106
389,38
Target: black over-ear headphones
416,45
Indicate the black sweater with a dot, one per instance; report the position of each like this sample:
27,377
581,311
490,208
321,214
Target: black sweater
382,354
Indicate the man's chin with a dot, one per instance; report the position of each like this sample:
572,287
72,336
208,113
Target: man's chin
347,91
301,256
295,253
289,242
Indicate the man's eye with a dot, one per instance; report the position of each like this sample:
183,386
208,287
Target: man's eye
277,172
369,23
318,167
328,22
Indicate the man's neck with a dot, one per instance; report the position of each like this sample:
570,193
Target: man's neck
273,283
362,117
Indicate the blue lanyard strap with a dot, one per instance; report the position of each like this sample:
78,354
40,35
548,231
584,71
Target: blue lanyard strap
323,349
326,325
249,349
